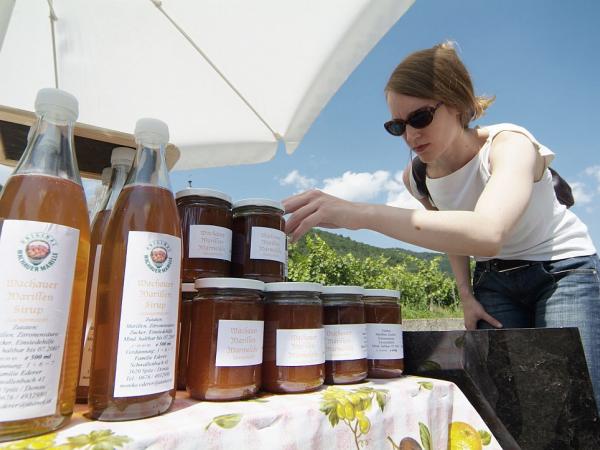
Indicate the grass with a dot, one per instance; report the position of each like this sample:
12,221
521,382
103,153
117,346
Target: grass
436,313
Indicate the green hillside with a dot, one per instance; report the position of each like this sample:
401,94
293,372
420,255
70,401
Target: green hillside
344,245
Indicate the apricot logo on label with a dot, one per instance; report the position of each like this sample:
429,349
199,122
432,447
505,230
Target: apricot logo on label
36,251
158,257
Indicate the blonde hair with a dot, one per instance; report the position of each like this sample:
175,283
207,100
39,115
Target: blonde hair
437,73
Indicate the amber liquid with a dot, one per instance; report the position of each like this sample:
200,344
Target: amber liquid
197,212
55,200
349,371
290,379
98,228
138,208
206,381
384,312
184,342
242,265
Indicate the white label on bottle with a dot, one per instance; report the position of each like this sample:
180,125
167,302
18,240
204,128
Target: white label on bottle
385,341
209,241
86,353
149,315
268,243
300,347
37,269
239,343
345,342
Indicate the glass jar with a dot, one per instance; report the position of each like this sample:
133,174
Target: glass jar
226,339
385,354
259,242
294,345
188,292
206,221
345,334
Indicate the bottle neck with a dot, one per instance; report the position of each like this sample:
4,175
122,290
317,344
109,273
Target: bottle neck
50,150
117,181
150,167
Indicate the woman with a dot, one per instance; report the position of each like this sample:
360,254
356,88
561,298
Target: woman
489,195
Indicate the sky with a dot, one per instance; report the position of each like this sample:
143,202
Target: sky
538,57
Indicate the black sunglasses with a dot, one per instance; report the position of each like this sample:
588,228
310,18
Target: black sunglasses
416,119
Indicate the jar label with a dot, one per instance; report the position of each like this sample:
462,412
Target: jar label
345,342
268,243
239,343
300,347
149,315
88,343
384,341
37,270
210,241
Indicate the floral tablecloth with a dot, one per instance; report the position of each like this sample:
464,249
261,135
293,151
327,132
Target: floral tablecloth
405,413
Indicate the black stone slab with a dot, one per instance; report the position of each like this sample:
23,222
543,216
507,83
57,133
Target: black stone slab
531,386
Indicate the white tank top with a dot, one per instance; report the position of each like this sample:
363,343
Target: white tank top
546,231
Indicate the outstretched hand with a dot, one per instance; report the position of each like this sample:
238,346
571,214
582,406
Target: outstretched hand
314,208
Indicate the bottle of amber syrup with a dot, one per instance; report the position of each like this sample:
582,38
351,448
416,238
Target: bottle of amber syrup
121,160
137,306
44,243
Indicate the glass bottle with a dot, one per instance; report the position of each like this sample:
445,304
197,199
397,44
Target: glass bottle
345,334
101,194
259,248
120,161
137,307
383,316
294,339
226,339
44,243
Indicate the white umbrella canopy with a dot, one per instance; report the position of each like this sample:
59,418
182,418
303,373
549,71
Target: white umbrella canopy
231,78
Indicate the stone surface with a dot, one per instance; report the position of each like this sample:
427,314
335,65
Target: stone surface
531,386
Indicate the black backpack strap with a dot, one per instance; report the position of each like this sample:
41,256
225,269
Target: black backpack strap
563,191
419,173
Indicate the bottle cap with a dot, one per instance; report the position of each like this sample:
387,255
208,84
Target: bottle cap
259,202
57,104
230,283
106,173
151,131
122,156
382,293
202,192
293,286
347,290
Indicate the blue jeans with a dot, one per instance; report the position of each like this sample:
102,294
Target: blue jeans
563,293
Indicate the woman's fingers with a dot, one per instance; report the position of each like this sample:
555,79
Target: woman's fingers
489,319
309,222
293,203
298,217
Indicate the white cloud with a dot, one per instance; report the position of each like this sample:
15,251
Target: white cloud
594,171
300,182
399,196
580,193
361,186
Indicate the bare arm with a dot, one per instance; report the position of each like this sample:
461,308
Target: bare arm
480,232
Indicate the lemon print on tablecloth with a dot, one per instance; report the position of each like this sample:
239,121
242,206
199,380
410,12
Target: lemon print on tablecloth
462,436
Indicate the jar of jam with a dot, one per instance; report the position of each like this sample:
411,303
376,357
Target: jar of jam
345,334
226,340
259,242
383,315
294,345
206,221
188,292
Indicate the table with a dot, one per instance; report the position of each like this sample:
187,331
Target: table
377,414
